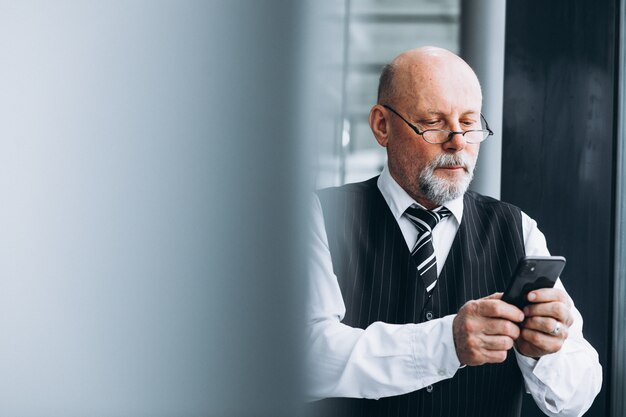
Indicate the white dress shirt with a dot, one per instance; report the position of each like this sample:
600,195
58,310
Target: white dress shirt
391,359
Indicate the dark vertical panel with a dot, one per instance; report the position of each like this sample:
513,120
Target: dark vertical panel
559,146
618,373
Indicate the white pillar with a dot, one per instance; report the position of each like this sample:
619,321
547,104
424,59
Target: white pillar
482,46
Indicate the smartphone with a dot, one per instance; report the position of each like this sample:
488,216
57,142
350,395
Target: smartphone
532,273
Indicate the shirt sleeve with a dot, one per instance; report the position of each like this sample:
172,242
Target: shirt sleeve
564,383
379,361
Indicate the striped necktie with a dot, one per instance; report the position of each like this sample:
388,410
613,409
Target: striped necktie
423,252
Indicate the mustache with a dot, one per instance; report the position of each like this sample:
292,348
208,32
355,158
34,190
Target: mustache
451,160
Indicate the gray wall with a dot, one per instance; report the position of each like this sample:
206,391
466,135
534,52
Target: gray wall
150,186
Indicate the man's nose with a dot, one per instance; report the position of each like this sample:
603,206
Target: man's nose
456,142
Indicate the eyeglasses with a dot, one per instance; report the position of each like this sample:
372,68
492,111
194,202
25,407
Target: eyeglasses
439,136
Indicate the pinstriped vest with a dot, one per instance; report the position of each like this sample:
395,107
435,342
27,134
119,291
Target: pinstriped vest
379,282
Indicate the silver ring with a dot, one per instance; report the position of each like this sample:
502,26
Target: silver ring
557,329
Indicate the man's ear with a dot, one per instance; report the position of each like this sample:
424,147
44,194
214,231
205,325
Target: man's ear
379,125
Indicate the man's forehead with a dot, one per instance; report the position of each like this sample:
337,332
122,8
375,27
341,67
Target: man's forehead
424,84
441,98
432,73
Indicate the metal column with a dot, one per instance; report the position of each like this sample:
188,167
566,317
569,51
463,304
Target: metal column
482,46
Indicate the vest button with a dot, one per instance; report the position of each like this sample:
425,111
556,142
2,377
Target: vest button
429,315
429,388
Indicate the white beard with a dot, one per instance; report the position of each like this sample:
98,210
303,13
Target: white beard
438,190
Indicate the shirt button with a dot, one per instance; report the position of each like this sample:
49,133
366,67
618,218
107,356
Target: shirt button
429,388
442,372
429,315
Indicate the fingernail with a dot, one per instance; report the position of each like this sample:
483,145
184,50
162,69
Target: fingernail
532,296
521,317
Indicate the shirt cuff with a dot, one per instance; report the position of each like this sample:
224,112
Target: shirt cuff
434,352
538,375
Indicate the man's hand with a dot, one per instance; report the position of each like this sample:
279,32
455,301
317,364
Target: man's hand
547,323
485,329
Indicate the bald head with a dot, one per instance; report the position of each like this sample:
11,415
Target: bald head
413,72
428,89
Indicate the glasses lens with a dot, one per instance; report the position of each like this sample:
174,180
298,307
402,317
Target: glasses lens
476,136
436,136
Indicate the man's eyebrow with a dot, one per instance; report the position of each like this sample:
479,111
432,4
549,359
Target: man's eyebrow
444,114
432,113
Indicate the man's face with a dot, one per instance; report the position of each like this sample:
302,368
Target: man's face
444,99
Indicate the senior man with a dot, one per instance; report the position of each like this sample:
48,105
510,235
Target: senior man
407,269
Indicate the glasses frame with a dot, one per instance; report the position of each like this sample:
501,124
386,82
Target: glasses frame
451,133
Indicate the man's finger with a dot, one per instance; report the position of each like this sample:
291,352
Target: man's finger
542,341
548,326
557,310
498,309
497,327
497,343
545,295
494,296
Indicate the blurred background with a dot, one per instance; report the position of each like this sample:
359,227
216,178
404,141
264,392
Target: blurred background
373,33
156,158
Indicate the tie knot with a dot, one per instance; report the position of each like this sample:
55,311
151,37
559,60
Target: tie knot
426,219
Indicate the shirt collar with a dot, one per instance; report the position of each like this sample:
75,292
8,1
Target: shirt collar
398,200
